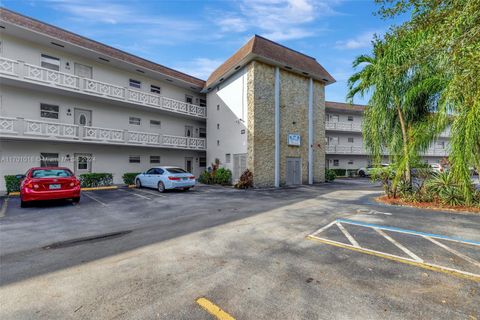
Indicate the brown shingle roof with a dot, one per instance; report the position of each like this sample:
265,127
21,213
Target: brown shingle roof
260,48
344,106
64,35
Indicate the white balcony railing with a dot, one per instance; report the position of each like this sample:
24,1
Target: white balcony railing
343,126
48,130
43,76
337,149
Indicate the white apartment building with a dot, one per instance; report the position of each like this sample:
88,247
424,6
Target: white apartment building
70,101
345,148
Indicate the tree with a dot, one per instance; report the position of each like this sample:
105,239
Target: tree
400,117
452,43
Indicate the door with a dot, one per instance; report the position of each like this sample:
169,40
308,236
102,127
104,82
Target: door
239,165
294,171
188,131
188,164
83,163
83,117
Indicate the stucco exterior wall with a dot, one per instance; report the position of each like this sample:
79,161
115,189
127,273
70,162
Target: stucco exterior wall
319,132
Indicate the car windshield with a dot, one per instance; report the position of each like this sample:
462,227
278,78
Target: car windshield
49,173
176,170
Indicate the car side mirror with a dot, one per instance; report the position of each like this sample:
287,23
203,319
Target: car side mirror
20,176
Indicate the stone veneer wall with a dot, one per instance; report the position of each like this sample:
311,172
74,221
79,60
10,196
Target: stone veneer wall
293,119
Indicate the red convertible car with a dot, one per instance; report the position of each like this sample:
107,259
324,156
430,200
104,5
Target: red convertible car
48,184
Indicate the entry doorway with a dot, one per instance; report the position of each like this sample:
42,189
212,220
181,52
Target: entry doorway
294,171
189,131
189,164
83,163
83,117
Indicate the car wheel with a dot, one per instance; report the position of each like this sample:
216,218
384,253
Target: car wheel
361,173
161,187
186,189
76,200
138,183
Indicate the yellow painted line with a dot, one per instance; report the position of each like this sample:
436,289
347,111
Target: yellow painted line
16,193
100,188
213,309
424,265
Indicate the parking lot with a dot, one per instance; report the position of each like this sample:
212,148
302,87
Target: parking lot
312,252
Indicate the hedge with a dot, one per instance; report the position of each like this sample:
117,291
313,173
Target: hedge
220,176
90,180
340,172
12,183
129,177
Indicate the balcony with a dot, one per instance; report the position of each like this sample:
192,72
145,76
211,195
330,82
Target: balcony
343,126
34,74
336,149
46,130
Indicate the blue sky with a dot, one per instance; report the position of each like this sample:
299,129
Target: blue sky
196,36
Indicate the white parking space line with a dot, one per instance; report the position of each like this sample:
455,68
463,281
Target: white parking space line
455,252
136,194
3,209
95,199
157,194
324,228
348,235
398,245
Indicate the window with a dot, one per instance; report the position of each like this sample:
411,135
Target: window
218,107
50,62
135,121
48,159
336,162
188,99
135,83
228,158
202,133
49,111
441,144
203,103
242,131
350,140
333,117
155,89
350,118
134,159
82,163
83,70
218,142
155,124
218,126
203,162
154,159
350,161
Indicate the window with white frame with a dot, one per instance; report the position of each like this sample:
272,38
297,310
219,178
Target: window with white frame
156,124
134,120
50,62
228,158
154,159
48,160
202,133
49,111
134,83
441,144
350,118
134,159
350,162
336,162
188,99
155,89
203,103
202,162
350,139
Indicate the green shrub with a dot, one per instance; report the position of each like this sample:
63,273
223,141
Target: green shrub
12,183
223,176
245,181
205,177
340,172
330,175
129,177
90,180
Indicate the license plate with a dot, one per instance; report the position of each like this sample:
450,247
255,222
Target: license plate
184,178
54,186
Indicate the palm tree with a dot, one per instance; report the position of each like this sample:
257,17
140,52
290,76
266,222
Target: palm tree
400,118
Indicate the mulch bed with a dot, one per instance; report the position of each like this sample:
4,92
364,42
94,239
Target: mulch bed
426,205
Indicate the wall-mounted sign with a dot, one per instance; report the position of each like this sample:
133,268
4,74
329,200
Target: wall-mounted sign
293,139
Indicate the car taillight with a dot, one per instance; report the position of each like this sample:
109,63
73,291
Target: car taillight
72,184
174,178
191,177
36,186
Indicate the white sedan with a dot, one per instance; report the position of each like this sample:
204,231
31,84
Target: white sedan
164,178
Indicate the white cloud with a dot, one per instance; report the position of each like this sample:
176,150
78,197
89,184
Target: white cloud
363,40
276,19
200,67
